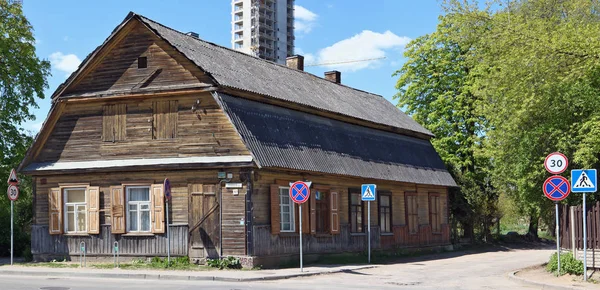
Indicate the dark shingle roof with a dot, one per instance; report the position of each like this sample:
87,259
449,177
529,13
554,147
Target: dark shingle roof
240,71
285,138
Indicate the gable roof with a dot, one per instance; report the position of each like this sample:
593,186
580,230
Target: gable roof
244,72
284,138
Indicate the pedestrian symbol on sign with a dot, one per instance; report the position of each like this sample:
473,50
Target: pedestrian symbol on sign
583,181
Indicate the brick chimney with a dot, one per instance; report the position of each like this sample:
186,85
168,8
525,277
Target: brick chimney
333,76
295,62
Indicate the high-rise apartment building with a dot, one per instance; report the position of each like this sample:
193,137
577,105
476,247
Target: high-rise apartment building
263,28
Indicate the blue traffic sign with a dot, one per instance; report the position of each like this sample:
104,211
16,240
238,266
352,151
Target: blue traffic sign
299,192
369,191
584,180
556,188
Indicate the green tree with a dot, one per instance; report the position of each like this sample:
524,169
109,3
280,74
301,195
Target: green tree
435,87
22,80
538,69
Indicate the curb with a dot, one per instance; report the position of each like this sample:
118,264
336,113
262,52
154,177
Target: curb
173,277
513,275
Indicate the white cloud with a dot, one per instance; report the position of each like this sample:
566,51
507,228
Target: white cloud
66,63
362,46
304,19
36,127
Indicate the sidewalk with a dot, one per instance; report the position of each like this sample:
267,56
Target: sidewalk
212,275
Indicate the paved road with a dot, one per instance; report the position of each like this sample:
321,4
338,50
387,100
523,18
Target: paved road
462,270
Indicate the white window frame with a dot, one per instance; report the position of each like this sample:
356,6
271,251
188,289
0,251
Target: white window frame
286,191
138,209
76,212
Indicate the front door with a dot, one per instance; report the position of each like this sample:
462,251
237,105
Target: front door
203,222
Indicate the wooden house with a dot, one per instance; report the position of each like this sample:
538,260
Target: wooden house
230,132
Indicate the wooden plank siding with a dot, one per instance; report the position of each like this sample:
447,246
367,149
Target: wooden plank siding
117,70
181,182
205,132
43,244
266,243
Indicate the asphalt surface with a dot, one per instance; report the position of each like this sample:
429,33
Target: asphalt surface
487,269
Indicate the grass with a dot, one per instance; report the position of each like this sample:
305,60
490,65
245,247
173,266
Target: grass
179,263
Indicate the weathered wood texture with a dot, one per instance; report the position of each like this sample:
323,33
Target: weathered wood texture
203,221
234,229
204,132
266,244
98,245
180,180
116,69
283,243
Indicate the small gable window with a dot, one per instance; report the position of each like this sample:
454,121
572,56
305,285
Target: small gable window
114,122
142,62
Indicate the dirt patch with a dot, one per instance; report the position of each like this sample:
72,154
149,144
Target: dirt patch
540,275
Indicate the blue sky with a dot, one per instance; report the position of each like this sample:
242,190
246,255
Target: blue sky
326,31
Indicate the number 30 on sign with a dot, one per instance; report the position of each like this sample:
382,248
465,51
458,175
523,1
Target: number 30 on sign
556,163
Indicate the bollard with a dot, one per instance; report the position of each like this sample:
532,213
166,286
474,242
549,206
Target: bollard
82,248
116,253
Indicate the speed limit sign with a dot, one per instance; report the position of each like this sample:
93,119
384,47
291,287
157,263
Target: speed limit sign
13,192
556,163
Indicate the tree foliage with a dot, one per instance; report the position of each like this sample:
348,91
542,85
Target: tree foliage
22,80
502,86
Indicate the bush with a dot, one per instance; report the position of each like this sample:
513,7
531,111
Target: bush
229,262
568,264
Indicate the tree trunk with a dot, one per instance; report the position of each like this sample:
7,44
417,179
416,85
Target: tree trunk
533,226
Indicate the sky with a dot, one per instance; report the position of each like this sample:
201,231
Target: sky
327,31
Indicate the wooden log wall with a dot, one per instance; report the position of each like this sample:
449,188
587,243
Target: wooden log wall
102,245
267,244
206,131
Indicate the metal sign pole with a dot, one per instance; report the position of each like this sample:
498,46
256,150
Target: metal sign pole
584,240
168,238
557,239
11,231
300,230
369,228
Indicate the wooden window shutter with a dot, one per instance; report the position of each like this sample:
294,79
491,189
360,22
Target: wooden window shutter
313,211
117,212
114,122
55,224
165,119
93,204
305,219
334,211
275,217
158,209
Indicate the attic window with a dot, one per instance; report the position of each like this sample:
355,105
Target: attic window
142,62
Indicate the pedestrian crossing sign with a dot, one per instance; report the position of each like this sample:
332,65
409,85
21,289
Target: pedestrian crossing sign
369,191
584,180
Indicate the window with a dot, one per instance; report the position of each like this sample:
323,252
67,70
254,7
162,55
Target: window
138,209
435,213
322,212
75,210
114,122
142,62
165,120
356,211
385,212
286,210
412,213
